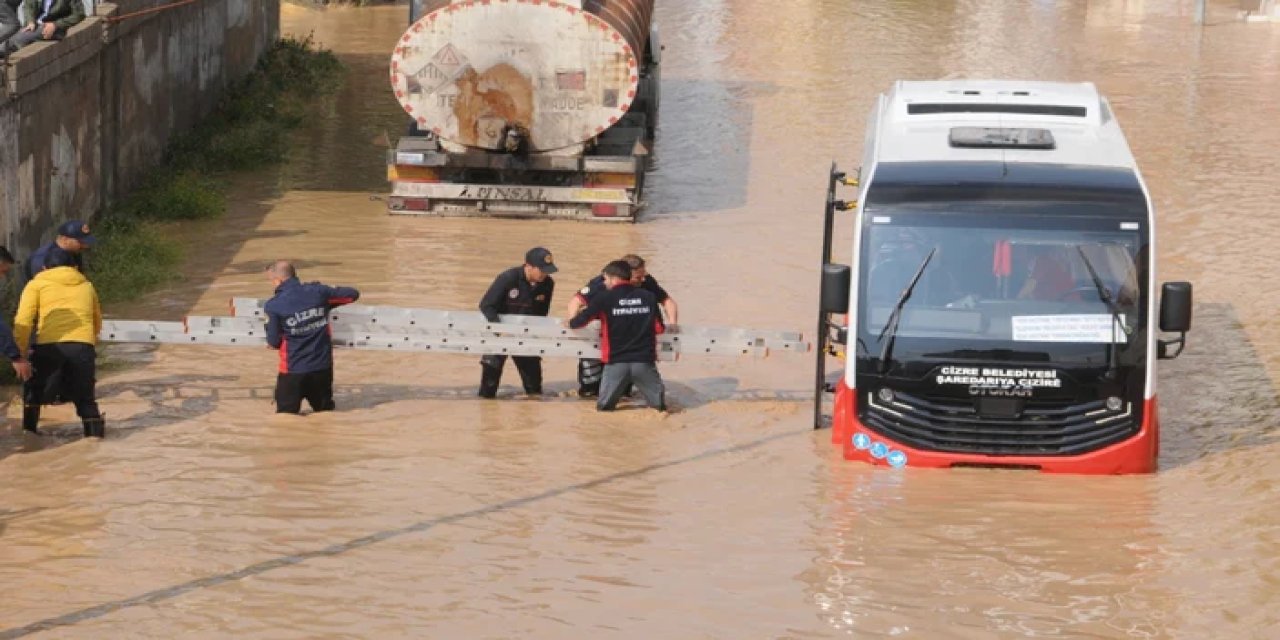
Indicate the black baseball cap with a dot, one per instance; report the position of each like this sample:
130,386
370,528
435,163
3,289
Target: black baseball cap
77,230
540,258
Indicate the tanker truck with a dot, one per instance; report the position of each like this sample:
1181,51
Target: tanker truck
525,108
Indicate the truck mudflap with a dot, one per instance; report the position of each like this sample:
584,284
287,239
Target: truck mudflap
516,201
1134,455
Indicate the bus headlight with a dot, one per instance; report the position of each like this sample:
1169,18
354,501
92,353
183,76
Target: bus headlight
1114,403
885,394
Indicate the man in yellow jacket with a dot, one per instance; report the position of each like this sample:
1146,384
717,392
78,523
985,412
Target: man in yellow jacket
60,306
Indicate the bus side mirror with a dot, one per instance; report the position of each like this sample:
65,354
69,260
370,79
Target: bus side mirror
836,279
1175,307
1175,316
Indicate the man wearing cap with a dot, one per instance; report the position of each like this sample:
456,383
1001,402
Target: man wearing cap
523,291
73,237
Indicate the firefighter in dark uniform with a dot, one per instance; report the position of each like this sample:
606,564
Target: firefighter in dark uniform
298,325
590,369
523,291
630,324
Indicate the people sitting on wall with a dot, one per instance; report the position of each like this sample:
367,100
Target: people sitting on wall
44,20
9,21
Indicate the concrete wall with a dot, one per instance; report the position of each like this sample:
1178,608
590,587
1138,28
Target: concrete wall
85,119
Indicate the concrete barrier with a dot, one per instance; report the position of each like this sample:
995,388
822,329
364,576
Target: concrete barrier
84,119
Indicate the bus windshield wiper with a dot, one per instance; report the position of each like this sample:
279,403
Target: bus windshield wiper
1113,352
891,327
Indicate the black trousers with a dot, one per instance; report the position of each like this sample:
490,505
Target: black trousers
530,368
315,386
67,368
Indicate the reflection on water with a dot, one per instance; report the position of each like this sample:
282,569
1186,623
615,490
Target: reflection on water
417,510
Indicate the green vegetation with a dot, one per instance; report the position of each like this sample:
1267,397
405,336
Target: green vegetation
133,255
248,130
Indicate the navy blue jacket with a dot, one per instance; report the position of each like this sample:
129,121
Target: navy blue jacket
7,346
512,294
629,324
298,324
35,264
596,286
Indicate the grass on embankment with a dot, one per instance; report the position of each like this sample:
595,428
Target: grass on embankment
248,130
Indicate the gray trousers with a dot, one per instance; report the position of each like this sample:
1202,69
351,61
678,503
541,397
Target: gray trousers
9,21
24,38
645,377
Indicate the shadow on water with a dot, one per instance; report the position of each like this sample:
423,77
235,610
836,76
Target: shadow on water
174,399
257,266
166,405
1217,396
702,157
344,146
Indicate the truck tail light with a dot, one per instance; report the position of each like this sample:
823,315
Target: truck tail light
405,173
416,204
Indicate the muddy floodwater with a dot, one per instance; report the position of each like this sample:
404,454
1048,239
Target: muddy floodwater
419,511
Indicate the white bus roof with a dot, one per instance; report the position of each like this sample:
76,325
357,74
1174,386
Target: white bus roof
917,118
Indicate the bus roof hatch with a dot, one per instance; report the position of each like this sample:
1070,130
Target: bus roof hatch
1001,138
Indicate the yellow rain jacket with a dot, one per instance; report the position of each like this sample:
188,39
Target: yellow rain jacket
59,305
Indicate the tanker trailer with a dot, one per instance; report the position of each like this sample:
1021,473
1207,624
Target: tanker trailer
525,108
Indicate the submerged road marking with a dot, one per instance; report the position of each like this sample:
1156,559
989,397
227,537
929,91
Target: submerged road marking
169,593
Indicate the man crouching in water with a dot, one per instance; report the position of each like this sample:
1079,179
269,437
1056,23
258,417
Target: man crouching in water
298,325
630,324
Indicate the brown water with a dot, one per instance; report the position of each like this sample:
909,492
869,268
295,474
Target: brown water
418,511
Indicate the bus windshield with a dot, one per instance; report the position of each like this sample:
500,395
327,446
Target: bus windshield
1002,279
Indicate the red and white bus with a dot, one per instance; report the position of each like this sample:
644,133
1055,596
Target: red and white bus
999,305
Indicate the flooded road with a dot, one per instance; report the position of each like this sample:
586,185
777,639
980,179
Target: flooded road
419,511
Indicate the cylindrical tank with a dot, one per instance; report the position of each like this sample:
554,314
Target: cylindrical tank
533,74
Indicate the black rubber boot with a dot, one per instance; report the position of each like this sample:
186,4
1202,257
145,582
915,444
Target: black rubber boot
491,375
31,418
589,375
95,427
